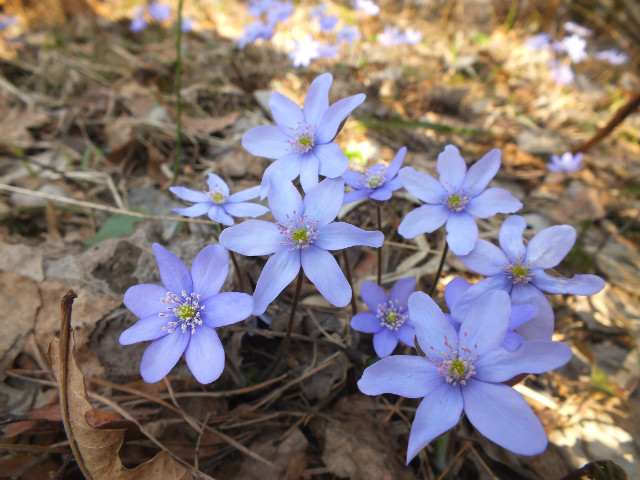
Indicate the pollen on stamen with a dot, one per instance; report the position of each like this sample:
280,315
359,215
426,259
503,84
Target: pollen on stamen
456,366
518,271
185,312
303,138
391,315
299,233
373,177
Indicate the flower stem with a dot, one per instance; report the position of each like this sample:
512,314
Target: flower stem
347,267
437,276
379,215
238,273
178,87
285,343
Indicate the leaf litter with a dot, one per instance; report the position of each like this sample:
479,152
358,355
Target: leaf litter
87,132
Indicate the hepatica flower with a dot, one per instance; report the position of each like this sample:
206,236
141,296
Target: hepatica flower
388,319
520,270
302,142
180,316
454,293
455,199
465,371
613,56
377,182
300,239
306,49
217,204
568,162
156,10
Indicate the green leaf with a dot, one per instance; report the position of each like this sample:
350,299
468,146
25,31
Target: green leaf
115,227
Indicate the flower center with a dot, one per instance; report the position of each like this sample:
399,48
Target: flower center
456,202
303,138
185,312
299,236
299,233
216,196
518,271
374,177
456,365
391,315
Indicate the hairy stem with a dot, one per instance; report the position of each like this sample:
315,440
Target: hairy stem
437,275
285,343
347,267
379,215
178,86
238,272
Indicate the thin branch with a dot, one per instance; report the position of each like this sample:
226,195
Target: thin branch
97,206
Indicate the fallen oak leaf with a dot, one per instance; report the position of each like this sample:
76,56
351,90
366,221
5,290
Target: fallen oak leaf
96,450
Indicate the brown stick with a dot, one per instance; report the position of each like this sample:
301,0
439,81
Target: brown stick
65,333
620,115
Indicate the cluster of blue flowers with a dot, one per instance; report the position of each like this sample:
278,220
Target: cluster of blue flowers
268,14
158,12
571,49
497,329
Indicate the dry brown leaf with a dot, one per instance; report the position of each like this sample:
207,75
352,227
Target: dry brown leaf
98,448
20,296
210,125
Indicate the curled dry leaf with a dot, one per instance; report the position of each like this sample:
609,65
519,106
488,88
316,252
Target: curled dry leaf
96,450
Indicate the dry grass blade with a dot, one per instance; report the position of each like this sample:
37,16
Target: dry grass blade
96,450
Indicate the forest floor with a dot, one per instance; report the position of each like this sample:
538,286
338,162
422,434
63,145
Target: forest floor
87,142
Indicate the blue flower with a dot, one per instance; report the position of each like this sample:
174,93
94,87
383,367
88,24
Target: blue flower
328,22
561,73
257,30
520,271
613,56
367,6
520,314
301,237
377,182
538,41
217,204
302,142
465,371
455,199
259,7
180,316
306,50
388,319
7,21
574,46
579,30
391,37
279,12
156,10
568,162
349,34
